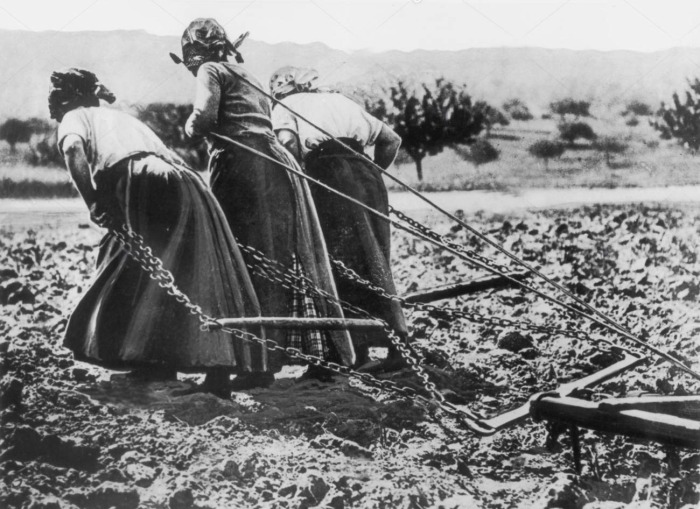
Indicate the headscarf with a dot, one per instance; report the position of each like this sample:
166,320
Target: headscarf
291,80
205,40
72,88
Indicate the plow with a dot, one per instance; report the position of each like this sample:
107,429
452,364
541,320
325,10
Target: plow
670,420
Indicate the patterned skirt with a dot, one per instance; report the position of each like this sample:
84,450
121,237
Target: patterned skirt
125,319
272,210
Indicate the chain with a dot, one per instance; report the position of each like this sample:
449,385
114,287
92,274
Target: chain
441,238
274,271
134,244
471,316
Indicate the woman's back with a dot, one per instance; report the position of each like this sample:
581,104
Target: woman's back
228,102
111,136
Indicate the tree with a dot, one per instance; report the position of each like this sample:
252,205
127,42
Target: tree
682,120
483,152
14,131
517,110
610,145
168,121
572,131
428,119
570,106
637,109
492,116
546,150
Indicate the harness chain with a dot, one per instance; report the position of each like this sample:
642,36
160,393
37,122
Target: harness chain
471,316
275,272
441,238
134,244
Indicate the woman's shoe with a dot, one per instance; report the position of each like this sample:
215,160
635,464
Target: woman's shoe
218,383
317,373
246,381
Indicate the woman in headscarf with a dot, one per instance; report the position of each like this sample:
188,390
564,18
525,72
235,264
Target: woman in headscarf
127,176
268,207
355,236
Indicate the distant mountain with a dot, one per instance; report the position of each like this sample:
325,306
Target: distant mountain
136,66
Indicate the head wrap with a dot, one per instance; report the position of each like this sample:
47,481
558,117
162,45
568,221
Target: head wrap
291,80
205,40
72,88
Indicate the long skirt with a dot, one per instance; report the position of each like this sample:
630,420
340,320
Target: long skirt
125,319
355,236
271,210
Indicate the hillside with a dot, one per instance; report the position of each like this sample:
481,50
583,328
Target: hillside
137,68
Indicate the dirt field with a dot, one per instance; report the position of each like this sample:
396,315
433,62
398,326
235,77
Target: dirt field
77,435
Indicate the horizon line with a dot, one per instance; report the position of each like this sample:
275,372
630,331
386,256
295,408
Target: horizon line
366,50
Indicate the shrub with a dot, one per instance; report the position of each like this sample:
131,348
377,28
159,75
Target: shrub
482,152
682,120
632,121
517,110
569,106
492,116
14,131
167,120
546,150
610,145
637,108
572,131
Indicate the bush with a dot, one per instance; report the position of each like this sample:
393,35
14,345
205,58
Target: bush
572,131
546,150
569,106
482,152
14,131
632,121
517,110
610,145
637,108
682,120
167,120
44,151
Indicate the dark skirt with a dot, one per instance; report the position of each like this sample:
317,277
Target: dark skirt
355,236
125,319
271,210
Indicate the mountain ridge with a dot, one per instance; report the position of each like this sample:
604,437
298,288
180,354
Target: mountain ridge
136,66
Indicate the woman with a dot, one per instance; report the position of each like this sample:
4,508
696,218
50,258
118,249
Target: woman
355,236
268,208
128,177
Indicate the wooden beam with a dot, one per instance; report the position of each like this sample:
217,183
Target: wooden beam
275,322
523,412
667,429
680,406
464,288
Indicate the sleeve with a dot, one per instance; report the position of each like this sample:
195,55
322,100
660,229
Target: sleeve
205,116
282,118
372,126
73,122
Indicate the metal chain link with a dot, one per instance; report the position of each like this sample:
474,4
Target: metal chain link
441,238
471,316
134,244
275,272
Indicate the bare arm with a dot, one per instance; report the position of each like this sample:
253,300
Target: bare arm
205,117
386,147
79,167
290,141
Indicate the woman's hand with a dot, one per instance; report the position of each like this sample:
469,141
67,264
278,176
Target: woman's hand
100,216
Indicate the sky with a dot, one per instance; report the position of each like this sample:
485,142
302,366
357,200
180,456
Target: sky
378,25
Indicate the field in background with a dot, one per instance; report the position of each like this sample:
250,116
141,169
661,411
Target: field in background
648,162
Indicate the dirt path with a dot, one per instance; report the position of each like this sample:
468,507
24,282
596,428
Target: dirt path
66,211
